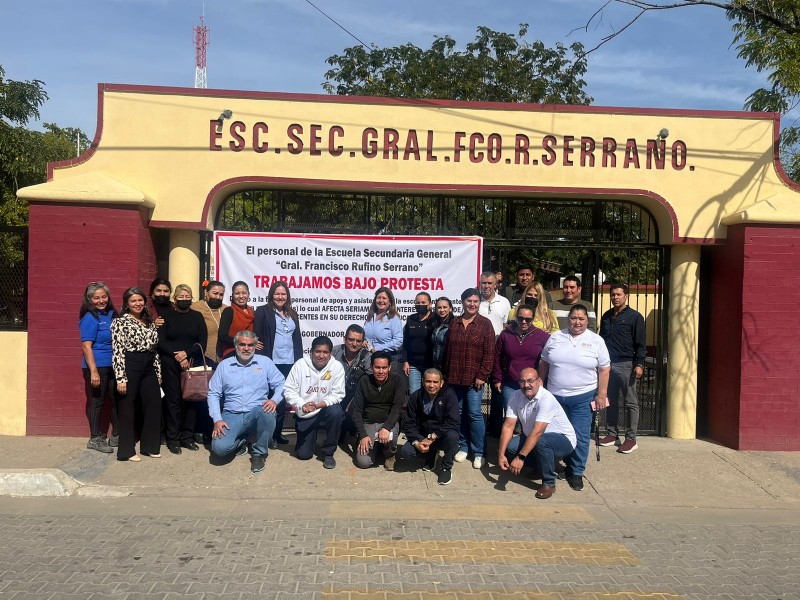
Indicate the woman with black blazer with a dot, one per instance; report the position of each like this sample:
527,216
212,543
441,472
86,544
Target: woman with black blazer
278,329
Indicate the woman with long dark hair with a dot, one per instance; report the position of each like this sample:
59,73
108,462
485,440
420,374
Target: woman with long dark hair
239,316
178,340
383,328
278,328
444,314
160,292
96,314
137,369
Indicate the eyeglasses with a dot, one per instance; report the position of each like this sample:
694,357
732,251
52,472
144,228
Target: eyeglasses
530,381
524,319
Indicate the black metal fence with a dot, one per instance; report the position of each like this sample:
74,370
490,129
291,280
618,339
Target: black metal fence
13,277
602,241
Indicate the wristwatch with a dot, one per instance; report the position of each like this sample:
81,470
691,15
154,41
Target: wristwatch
522,457
432,437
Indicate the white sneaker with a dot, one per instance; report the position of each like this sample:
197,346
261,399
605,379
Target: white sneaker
478,462
460,456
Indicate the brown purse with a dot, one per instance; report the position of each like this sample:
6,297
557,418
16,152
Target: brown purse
194,383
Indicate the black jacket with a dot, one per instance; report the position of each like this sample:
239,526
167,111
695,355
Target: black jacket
264,328
444,415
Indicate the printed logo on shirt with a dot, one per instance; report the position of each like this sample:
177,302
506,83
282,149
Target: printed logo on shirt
316,389
326,377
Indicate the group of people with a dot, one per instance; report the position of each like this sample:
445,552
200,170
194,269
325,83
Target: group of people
424,378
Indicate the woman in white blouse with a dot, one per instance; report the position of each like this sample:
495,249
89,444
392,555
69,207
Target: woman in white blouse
576,364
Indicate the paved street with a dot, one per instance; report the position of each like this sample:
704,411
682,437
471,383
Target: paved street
677,520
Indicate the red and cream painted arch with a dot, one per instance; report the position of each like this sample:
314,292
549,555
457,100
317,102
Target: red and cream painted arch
161,164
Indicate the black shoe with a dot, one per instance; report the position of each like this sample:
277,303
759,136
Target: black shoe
576,482
257,463
242,450
174,447
329,462
191,445
281,439
445,477
430,462
273,444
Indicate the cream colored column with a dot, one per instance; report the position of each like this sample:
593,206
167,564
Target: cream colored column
684,316
184,258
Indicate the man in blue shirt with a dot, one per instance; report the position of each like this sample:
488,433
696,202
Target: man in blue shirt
248,387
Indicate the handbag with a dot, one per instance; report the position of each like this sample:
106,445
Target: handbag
194,381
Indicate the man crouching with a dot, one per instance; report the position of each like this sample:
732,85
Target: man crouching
246,386
547,435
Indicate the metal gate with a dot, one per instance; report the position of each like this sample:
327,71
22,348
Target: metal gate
601,241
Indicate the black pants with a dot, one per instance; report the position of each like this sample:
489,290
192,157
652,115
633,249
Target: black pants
448,443
144,397
96,398
329,419
180,416
280,413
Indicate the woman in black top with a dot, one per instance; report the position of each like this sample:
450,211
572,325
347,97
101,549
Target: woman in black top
182,329
444,314
417,341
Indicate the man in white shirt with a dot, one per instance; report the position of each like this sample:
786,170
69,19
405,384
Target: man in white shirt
547,435
315,389
493,306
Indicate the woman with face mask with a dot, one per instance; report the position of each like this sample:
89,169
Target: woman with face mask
544,317
182,329
160,292
211,307
417,346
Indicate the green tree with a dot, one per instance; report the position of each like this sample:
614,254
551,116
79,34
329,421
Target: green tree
767,37
497,66
24,153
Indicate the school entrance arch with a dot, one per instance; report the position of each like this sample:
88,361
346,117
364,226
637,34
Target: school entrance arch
601,241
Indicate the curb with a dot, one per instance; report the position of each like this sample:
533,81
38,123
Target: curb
37,482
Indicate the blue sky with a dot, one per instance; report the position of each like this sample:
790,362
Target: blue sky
677,59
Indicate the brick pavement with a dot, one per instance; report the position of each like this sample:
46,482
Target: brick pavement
116,556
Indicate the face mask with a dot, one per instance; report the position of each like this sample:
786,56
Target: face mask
183,304
161,300
421,310
214,303
533,302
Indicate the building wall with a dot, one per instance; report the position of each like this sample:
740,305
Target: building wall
752,387
769,411
13,395
70,246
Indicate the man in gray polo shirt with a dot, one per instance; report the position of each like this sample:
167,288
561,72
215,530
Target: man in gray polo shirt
572,296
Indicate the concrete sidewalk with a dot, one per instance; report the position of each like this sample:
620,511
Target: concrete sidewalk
665,480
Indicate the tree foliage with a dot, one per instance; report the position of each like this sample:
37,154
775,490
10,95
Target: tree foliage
24,153
767,37
496,66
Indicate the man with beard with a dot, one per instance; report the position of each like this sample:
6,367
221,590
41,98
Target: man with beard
249,387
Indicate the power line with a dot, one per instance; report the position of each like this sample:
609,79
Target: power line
339,25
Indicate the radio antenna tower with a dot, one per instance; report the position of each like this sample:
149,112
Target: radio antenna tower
200,43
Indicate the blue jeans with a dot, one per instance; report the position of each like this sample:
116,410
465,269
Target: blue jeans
241,426
473,428
579,413
414,379
550,448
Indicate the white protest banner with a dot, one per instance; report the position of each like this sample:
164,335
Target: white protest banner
332,278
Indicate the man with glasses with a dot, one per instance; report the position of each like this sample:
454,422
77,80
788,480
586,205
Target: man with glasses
547,435
248,387
518,347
